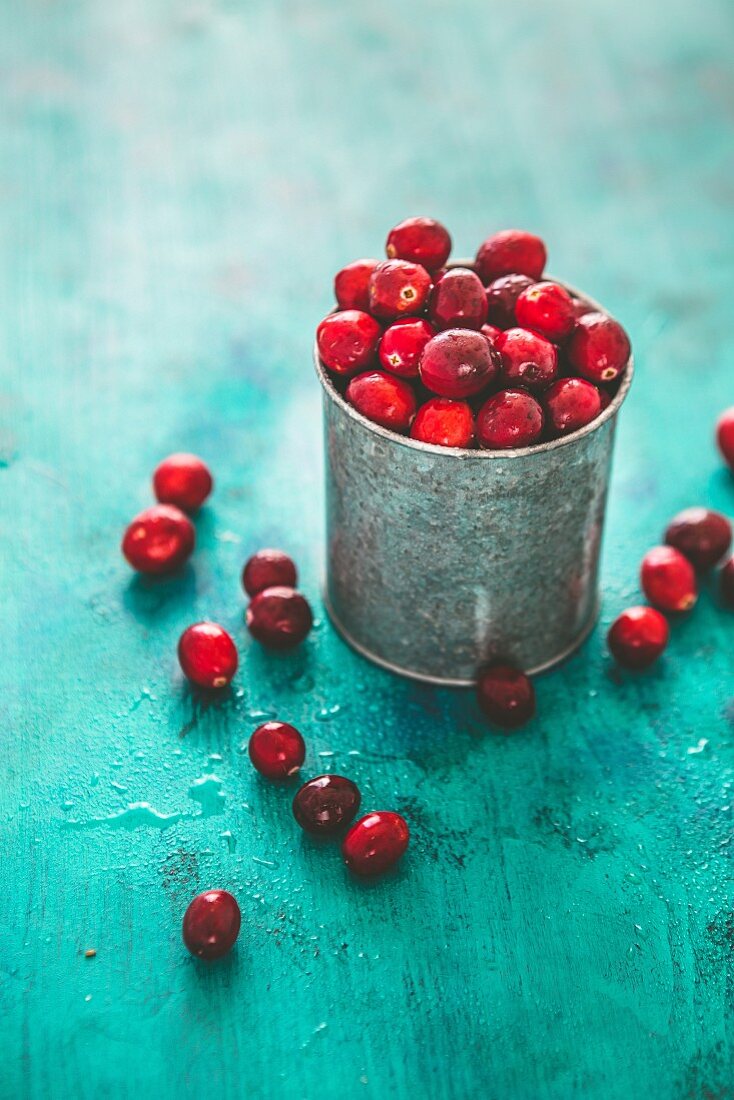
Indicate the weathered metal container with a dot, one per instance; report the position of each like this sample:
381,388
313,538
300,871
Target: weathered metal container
439,560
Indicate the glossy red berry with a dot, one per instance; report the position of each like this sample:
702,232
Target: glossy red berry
570,403
384,399
668,579
402,345
702,535
458,363
491,332
351,285
276,750
422,241
268,569
444,422
398,289
502,295
207,655
726,583
638,637
211,924
159,540
347,341
183,480
511,252
326,804
527,359
599,348
458,300
375,843
279,617
511,418
546,308
506,695
725,435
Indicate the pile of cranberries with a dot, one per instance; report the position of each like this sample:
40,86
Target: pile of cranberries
488,354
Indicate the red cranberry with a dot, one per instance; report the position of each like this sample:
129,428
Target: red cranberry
375,842
599,348
668,579
527,359
502,295
279,617
491,332
402,345
268,569
351,285
420,240
398,288
725,435
458,300
581,306
458,363
726,583
325,804
512,418
386,400
511,252
445,423
211,924
702,535
605,399
570,403
207,655
506,695
546,308
638,637
158,540
183,480
276,750
347,341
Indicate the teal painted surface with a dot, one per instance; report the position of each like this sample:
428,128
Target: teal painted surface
179,182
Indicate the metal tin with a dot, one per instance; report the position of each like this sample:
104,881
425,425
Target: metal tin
440,560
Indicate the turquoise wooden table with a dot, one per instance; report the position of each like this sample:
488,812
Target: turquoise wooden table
179,182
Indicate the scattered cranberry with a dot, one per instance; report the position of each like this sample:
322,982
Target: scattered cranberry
325,804
386,400
398,288
570,403
491,332
207,655
668,579
402,345
421,241
726,583
351,285
268,569
347,341
211,924
276,750
638,637
502,295
599,348
506,695
445,423
458,363
702,535
458,300
512,418
183,480
511,252
725,435
546,308
279,617
375,842
527,359
158,540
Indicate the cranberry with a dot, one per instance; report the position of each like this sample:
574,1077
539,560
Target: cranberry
207,655
398,288
276,750
491,332
323,805
726,583
420,240
605,399
512,418
158,540
279,617
702,535
211,924
599,348
502,294
638,637
527,359
183,480
445,423
725,435
458,363
347,341
351,285
268,569
546,308
581,306
458,300
386,400
375,842
570,403
511,252
506,695
668,579
402,345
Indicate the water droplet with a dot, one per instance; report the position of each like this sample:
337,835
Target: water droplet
207,791
230,840
327,713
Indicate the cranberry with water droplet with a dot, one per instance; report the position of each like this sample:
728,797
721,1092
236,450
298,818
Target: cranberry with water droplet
668,579
527,359
398,289
276,750
207,655
183,480
422,241
599,348
570,404
375,843
511,252
458,363
702,535
347,341
211,924
326,804
279,617
402,345
506,695
638,637
159,540
512,418
351,285
458,300
444,422
546,308
384,399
